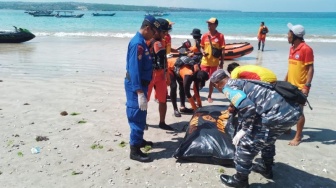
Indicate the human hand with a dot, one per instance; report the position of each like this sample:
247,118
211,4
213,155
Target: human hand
238,136
142,101
220,66
231,108
305,91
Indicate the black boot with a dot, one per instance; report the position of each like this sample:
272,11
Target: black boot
264,168
238,180
137,155
146,143
262,47
164,126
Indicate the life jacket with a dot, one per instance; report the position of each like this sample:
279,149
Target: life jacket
183,61
158,53
264,30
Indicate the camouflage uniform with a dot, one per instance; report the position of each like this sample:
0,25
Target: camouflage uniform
264,115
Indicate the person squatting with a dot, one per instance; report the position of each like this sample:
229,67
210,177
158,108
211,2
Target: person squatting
263,116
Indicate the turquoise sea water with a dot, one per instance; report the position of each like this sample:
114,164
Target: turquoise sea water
242,26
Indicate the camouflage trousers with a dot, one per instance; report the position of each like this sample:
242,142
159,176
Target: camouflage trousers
262,138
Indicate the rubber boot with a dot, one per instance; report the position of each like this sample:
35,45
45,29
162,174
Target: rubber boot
262,47
264,168
137,155
192,103
238,180
258,45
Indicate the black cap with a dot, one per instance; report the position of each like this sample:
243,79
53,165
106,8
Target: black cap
196,33
164,24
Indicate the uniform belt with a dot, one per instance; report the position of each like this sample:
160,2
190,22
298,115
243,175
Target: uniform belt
143,82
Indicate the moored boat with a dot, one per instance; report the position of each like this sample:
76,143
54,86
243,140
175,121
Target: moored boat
156,13
101,14
17,36
70,15
235,50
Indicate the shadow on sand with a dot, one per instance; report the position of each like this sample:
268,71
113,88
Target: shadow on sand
325,136
167,148
288,176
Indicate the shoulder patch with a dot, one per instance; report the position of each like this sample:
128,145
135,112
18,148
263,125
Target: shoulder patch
140,52
235,96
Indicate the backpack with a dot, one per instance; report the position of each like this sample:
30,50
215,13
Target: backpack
288,91
181,61
264,30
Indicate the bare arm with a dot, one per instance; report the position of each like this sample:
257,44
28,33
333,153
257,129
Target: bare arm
305,89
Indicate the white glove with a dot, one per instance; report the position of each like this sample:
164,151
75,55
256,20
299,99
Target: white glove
238,136
142,101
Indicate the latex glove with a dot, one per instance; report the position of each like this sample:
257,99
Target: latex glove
142,101
238,136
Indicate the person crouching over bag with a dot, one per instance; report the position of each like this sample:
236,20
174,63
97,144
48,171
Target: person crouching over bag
264,115
185,71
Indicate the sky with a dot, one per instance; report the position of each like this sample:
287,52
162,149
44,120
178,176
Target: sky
242,5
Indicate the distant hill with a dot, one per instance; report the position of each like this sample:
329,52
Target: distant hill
91,6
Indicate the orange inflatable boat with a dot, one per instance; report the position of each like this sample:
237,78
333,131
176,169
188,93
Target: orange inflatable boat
235,50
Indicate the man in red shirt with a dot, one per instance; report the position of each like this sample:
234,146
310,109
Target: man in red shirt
213,46
300,69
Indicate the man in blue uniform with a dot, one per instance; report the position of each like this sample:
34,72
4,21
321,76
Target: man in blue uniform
263,115
138,77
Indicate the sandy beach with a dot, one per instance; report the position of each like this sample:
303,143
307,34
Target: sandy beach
84,77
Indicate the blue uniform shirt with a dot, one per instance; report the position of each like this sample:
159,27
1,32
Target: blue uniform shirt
139,63
139,69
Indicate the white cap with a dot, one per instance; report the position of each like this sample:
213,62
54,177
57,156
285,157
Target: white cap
298,30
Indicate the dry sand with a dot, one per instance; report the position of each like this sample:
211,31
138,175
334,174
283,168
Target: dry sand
42,78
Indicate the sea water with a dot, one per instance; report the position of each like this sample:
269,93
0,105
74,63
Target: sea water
236,26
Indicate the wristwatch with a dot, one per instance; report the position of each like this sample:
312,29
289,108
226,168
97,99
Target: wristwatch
308,84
